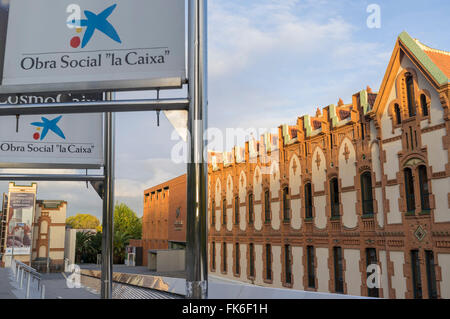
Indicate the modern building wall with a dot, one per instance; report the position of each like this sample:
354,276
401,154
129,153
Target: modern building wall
164,218
379,136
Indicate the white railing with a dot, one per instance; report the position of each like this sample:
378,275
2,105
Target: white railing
33,279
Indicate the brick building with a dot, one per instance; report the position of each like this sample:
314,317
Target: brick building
357,184
164,219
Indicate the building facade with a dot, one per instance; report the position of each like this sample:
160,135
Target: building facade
353,200
33,229
164,218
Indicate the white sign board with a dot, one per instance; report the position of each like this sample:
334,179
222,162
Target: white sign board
85,45
51,141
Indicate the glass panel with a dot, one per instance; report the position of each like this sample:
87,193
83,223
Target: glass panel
424,190
431,275
338,278
366,193
410,96
310,261
409,189
417,283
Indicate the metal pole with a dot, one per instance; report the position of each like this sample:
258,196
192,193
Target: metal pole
48,249
28,285
108,206
196,230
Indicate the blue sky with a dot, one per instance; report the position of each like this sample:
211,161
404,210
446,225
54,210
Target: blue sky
269,62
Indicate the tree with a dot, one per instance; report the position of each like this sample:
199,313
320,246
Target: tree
120,242
83,221
126,221
83,247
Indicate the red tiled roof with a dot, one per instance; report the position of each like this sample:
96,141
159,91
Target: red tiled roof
441,60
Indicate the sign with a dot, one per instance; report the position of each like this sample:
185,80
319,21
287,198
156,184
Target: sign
51,141
20,223
66,45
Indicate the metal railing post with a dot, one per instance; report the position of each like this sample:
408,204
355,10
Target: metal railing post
21,278
43,292
27,296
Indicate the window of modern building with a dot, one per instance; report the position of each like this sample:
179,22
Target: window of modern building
334,197
338,275
416,280
366,193
410,95
308,201
286,204
213,255
398,115
409,190
268,262
224,254
250,209
224,212
252,260
213,213
423,105
237,255
287,264
424,190
267,206
431,275
236,210
371,258
310,265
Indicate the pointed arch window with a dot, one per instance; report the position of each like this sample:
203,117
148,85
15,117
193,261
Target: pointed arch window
213,213
409,190
410,95
250,209
423,105
224,212
286,204
424,188
308,201
267,206
236,210
398,115
334,197
366,193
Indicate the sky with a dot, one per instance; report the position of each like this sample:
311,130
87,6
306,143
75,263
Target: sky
269,62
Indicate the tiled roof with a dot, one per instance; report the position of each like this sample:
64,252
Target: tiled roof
439,57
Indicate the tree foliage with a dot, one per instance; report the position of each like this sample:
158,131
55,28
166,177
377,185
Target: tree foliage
126,221
83,221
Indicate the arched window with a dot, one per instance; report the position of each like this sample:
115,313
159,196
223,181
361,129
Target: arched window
334,197
250,209
308,201
224,254
267,206
268,262
424,190
423,104
287,264
410,95
236,210
213,213
409,190
252,260
213,255
366,193
224,212
237,255
398,115
286,204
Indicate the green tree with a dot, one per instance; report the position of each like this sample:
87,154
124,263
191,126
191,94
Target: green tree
120,242
83,221
83,247
126,221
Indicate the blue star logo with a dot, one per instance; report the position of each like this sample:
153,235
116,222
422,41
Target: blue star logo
97,22
49,125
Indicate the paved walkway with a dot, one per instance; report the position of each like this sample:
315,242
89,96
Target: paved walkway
6,289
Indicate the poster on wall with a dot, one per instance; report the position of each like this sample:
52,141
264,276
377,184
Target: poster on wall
20,223
51,141
56,46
